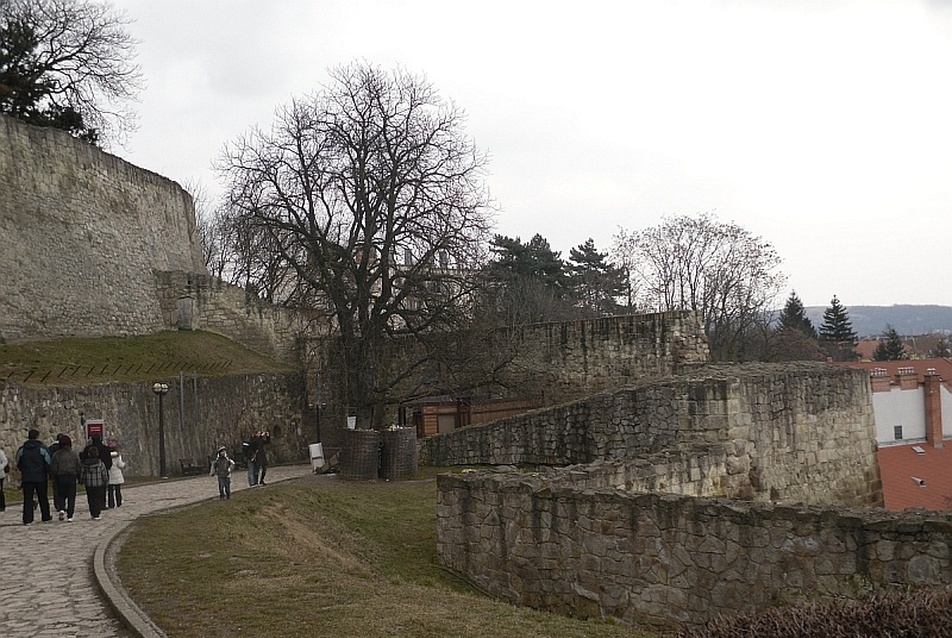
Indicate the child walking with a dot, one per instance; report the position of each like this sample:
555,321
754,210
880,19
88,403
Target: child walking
95,477
116,478
222,467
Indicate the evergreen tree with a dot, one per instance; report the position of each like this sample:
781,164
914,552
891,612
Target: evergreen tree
526,282
890,347
534,260
836,332
794,317
595,282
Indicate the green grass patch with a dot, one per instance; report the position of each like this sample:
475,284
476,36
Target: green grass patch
319,556
83,361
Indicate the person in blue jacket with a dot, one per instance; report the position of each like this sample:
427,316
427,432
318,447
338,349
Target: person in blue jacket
33,461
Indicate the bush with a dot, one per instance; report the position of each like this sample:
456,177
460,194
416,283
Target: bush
924,613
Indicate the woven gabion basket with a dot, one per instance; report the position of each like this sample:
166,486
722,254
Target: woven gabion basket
360,455
399,455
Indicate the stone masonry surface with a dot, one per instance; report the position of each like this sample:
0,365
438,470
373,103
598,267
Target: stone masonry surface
666,560
49,588
622,523
200,414
82,233
783,432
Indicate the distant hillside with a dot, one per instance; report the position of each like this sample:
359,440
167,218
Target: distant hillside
906,319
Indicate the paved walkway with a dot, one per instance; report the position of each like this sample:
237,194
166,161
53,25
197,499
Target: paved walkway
48,587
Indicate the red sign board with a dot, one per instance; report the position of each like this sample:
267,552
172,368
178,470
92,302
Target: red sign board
95,427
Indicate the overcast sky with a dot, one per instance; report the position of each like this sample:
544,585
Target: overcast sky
822,126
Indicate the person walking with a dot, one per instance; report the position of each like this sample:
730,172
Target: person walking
95,442
116,478
222,467
95,477
249,448
53,447
261,464
65,468
33,461
4,472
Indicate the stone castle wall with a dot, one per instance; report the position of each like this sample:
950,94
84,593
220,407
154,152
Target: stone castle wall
558,362
787,432
616,530
202,302
83,232
94,246
669,560
199,415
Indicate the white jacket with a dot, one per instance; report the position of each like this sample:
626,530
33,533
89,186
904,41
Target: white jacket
3,464
115,472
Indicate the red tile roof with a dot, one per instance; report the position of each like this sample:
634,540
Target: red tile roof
900,465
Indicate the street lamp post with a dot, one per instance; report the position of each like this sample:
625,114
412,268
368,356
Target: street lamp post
161,389
320,408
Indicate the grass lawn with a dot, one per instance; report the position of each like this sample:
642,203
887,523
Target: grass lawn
319,557
86,361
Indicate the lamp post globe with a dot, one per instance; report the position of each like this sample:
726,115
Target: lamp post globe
161,389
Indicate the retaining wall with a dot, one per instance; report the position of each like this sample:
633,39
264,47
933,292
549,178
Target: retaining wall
668,560
787,432
199,414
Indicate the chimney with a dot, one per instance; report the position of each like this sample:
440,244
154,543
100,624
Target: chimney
879,380
907,378
933,399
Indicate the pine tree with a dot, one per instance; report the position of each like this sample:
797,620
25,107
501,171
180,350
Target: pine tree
794,317
596,283
836,332
890,347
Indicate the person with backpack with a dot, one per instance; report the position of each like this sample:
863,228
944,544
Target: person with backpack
65,469
33,461
95,443
95,477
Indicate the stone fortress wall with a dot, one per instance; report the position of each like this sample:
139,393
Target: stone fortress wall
94,246
83,231
726,489
559,362
199,415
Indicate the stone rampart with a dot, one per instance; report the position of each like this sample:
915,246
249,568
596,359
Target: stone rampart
636,525
83,232
558,362
199,414
94,246
669,560
202,302
787,432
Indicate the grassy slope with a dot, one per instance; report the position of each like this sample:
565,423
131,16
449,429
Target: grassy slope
319,556
78,361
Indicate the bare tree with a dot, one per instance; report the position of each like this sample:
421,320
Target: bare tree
68,64
624,253
721,271
371,196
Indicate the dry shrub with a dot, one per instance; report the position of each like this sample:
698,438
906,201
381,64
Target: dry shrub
924,613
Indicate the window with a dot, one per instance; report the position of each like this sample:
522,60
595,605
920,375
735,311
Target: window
897,432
